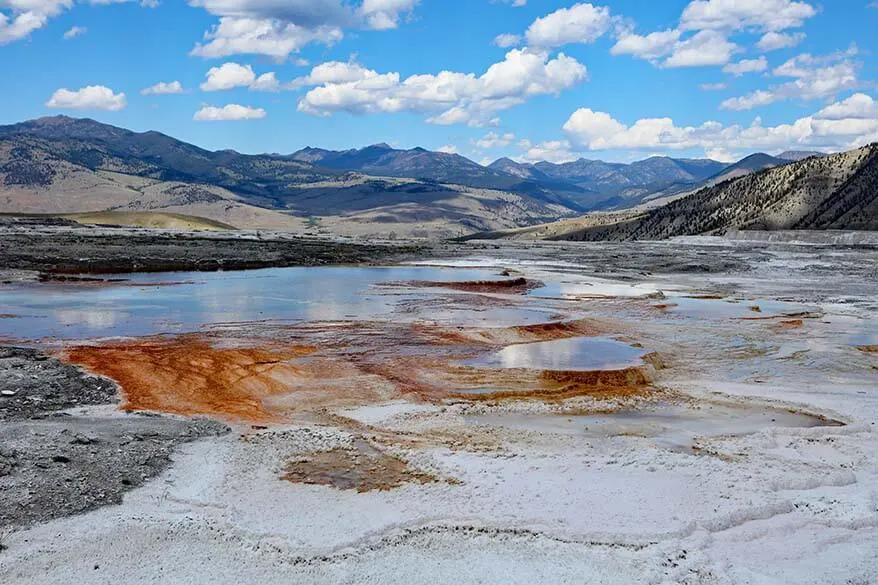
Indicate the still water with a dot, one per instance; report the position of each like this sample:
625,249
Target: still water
146,304
575,354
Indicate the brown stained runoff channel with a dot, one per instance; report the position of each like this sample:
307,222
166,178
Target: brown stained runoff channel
309,368
188,375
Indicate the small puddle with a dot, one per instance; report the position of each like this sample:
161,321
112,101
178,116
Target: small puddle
577,354
671,426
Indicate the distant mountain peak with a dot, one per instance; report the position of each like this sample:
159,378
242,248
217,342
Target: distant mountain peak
505,160
797,155
382,145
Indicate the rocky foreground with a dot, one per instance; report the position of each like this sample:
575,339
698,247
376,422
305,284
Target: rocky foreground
61,247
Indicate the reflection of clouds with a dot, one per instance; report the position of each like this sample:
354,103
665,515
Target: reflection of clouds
569,354
93,318
286,294
597,288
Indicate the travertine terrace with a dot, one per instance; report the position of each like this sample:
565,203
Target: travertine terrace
671,414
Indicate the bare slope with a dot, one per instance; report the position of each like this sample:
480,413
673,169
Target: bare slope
64,165
833,192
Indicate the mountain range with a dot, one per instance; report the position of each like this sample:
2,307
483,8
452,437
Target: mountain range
63,165
833,192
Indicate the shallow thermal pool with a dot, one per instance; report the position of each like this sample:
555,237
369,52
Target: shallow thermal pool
148,304
574,354
674,426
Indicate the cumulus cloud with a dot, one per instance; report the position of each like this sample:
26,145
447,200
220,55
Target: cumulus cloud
278,28
93,97
752,100
164,88
843,124
768,15
448,149
581,23
494,140
669,49
507,40
813,78
74,32
705,48
26,16
713,86
772,41
19,18
385,14
650,47
229,112
451,97
746,66
553,151
858,106
231,75
702,36
275,38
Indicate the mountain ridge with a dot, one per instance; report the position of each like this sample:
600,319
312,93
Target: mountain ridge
70,165
838,191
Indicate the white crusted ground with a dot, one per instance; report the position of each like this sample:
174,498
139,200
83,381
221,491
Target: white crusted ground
781,506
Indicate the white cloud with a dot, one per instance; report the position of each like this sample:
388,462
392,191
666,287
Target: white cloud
859,105
266,82
164,88
581,23
750,101
507,40
228,76
229,112
841,125
448,149
746,66
772,41
702,36
713,86
74,32
494,140
238,36
452,97
668,49
650,47
768,15
385,14
278,28
231,75
705,48
554,151
26,16
19,18
305,13
93,97
813,78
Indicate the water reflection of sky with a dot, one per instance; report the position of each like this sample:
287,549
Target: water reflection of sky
139,307
576,354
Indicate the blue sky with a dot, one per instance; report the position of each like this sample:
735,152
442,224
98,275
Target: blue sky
529,79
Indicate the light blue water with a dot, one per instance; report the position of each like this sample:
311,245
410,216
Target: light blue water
575,354
148,304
